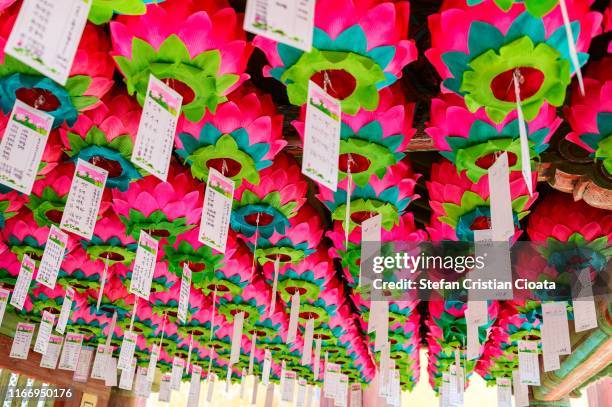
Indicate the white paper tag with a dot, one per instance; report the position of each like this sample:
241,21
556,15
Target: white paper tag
164,388
554,316
355,398
529,368
252,353
183,306
142,386
155,351
111,372
193,399
98,370
23,145
51,356
504,392
4,296
265,373
316,365
214,224
102,284
521,392
456,385
585,312
525,157
288,386
478,311
144,265
308,336
269,395
22,340
550,357
126,352
473,342
65,311
236,337
502,220
286,21
126,381
341,391
81,374
243,379
46,35
178,365
293,317
379,322
330,380
255,388
83,203
321,137
44,332
70,352
155,137
274,285
371,231
52,257
22,285
384,371
211,387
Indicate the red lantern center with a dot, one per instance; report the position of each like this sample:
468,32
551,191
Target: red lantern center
360,216
486,161
337,83
182,89
41,99
54,215
359,163
232,167
264,219
503,87
113,167
481,223
293,290
111,256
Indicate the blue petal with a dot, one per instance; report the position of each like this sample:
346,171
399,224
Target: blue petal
526,25
483,37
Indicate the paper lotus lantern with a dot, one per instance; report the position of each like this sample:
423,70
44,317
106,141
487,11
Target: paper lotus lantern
102,11
109,242
85,321
115,298
471,141
22,236
476,50
463,206
388,196
82,273
240,139
166,302
162,209
536,7
105,137
252,301
371,141
199,49
353,55
590,116
10,204
49,195
200,258
161,281
266,207
89,79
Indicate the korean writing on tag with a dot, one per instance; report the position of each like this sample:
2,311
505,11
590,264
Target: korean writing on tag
164,388
178,365
529,368
70,353
267,365
65,311
53,255
83,203
126,380
51,356
285,21
504,392
22,340
111,372
4,296
155,137
288,386
153,362
98,370
22,146
183,307
214,224
128,346
81,374
22,285
193,399
554,317
144,265
502,220
44,332
322,137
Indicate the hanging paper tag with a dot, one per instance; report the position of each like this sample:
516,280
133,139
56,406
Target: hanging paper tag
84,198
341,399
22,285
347,205
111,332
293,317
308,336
193,399
4,295
98,370
228,378
502,220
70,353
571,44
52,257
525,156
236,337
321,137
44,332
144,265
22,146
255,388
478,310
371,230
81,374
153,362
521,392
22,340
355,398
554,317
285,21
300,400
111,372
316,365
211,387
269,395
214,224
445,390
178,365
46,36
330,380
288,386
243,375
504,392
164,388
142,387
155,137
585,312
265,374
51,356
102,284
252,353
126,380
378,322
529,368
550,357
274,285
126,353
473,342
183,307
456,385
